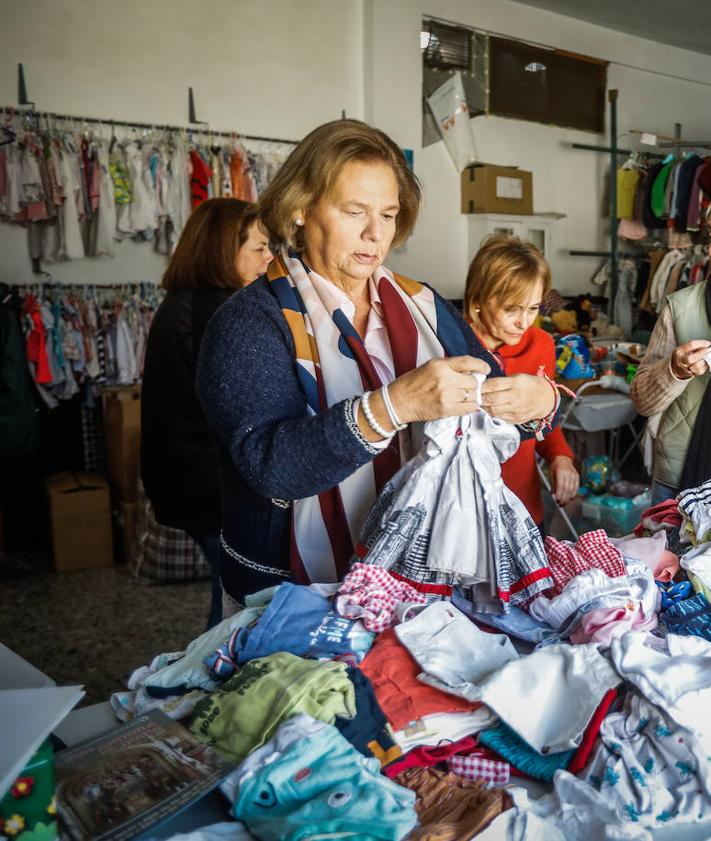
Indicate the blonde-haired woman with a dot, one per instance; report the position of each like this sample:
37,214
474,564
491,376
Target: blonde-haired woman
312,375
507,281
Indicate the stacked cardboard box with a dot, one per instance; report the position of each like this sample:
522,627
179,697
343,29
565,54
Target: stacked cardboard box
80,515
122,433
486,188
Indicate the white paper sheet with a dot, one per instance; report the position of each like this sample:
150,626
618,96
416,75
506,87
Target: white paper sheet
27,717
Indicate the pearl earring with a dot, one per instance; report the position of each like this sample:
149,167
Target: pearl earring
299,222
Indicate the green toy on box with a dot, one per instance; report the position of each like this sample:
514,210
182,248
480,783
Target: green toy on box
27,812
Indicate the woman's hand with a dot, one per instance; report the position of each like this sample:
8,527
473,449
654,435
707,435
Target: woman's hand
519,398
565,479
440,388
688,359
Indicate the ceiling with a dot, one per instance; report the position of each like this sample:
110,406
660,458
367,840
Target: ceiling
680,23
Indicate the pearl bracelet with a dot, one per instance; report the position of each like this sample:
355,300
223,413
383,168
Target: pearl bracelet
394,419
370,417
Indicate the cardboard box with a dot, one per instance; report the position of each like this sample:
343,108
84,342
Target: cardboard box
80,514
122,435
487,188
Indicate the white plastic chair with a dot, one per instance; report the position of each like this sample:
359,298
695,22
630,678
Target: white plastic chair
608,412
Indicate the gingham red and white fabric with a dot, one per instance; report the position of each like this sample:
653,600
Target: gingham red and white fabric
475,766
371,594
592,550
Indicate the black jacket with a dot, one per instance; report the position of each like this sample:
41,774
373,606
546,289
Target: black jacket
179,458
19,420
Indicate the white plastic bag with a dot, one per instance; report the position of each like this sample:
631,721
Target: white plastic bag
449,108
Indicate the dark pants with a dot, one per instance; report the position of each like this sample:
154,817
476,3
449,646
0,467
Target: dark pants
661,492
212,550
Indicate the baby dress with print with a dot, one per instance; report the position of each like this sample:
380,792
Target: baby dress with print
446,518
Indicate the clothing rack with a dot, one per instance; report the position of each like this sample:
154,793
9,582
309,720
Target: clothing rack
614,254
33,114
613,150
675,142
621,255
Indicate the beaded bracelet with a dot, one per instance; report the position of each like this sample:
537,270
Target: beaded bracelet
558,387
370,417
539,426
394,419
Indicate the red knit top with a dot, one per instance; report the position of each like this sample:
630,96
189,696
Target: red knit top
536,348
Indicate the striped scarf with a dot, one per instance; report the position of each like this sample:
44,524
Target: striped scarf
332,366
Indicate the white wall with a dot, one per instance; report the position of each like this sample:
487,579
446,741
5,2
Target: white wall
565,180
267,67
279,68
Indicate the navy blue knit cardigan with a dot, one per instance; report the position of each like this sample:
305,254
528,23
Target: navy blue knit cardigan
272,451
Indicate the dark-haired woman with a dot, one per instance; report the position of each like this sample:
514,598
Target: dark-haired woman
222,249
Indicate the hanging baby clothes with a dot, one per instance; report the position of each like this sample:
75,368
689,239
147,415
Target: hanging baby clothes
123,189
32,197
178,204
142,210
241,177
107,207
11,201
73,245
199,180
36,342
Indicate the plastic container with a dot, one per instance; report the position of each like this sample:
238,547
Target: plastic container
617,515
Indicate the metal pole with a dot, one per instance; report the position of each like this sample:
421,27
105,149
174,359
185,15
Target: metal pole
612,291
7,109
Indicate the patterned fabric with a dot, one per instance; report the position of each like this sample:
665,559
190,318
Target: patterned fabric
476,767
553,301
333,366
592,550
674,592
690,616
371,594
222,663
649,769
92,433
447,518
695,505
654,387
163,554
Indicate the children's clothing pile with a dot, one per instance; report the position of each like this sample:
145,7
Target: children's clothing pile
429,718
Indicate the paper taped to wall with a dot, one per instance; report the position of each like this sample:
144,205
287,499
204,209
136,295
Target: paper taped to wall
509,188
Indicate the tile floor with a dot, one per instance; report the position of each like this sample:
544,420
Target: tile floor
95,626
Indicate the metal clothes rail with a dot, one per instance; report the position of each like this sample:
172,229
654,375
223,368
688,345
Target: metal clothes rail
195,129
